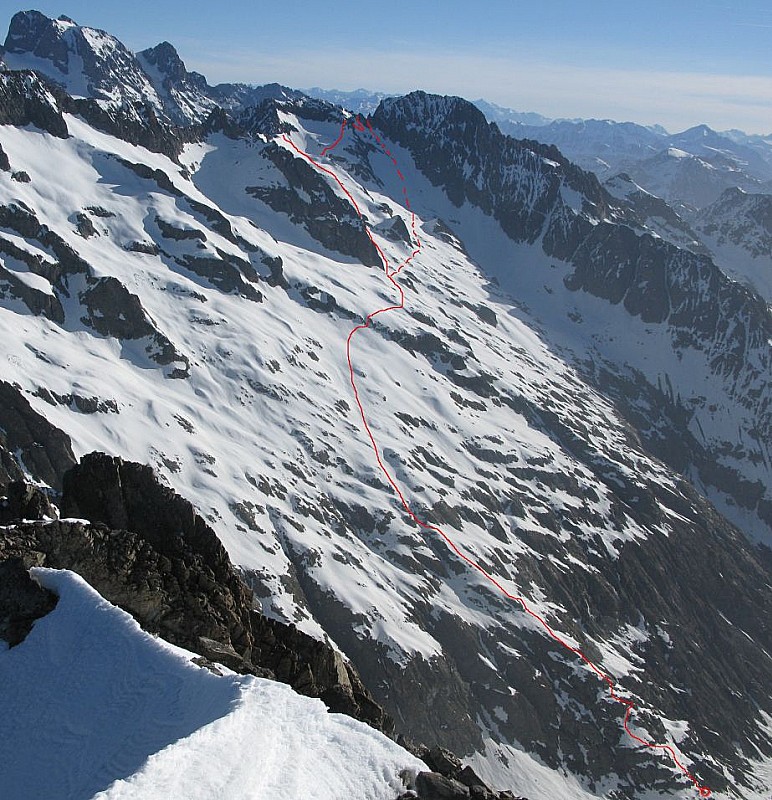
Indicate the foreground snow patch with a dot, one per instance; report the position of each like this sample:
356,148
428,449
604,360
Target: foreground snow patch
93,705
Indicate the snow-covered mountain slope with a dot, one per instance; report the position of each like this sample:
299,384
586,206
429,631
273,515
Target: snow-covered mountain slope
738,230
95,707
198,302
667,314
653,214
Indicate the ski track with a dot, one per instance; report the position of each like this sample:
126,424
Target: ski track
391,273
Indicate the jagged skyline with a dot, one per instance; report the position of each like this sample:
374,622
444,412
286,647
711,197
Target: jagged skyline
671,66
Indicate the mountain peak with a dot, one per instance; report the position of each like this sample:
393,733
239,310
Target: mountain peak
86,62
31,32
430,111
165,57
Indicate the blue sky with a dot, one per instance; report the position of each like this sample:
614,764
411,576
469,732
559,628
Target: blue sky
676,63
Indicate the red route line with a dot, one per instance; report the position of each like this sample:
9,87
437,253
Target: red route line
390,272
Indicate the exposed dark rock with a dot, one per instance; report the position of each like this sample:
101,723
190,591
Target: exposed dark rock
25,99
438,759
85,226
276,266
223,274
20,177
22,601
219,121
262,119
395,230
147,551
24,501
114,311
100,212
328,218
149,248
312,667
162,180
186,95
19,218
85,405
5,164
45,451
446,779
170,231
38,302
218,222
433,786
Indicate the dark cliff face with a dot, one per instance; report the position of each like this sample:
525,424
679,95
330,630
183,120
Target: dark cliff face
25,99
168,62
33,32
44,450
516,182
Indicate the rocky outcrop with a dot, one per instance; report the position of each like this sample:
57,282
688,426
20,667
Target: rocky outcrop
27,437
137,123
448,779
310,201
112,310
24,501
5,164
22,601
186,96
26,100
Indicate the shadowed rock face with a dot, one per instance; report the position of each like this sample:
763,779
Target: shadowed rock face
22,601
45,450
26,100
328,218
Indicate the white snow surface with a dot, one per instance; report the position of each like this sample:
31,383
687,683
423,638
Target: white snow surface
95,707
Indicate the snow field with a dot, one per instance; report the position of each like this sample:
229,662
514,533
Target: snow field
95,707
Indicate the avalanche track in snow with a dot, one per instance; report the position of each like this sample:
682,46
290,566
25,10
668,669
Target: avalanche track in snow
391,274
